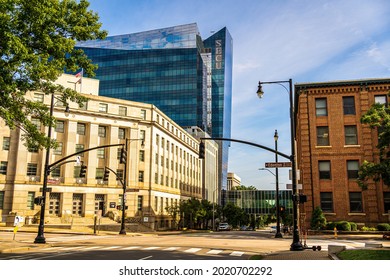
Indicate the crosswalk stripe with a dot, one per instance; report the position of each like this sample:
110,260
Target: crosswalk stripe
112,247
236,254
193,250
150,248
131,248
90,248
214,252
68,248
171,249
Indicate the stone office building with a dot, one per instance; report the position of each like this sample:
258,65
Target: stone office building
163,165
332,144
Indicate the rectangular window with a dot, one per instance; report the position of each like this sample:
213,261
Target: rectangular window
322,136
119,173
79,148
36,122
143,114
103,107
381,99
56,172
30,200
140,176
39,97
122,111
81,128
140,202
76,172
352,169
3,167
324,169
60,126
121,133
156,178
386,201
6,143
58,150
101,153
1,200
142,155
32,169
102,131
326,201
99,173
351,135
321,107
142,134
355,202
349,105
156,159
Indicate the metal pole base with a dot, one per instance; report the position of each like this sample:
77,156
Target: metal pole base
296,246
40,239
122,232
278,235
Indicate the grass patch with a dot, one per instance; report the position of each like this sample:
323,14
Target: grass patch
361,254
256,257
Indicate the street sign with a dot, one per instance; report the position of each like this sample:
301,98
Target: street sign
47,189
289,186
132,190
278,164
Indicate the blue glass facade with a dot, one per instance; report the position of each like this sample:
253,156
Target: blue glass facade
174,69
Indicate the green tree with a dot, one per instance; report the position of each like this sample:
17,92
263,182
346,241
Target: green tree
37,45
318,220
377,117
244,188
234,215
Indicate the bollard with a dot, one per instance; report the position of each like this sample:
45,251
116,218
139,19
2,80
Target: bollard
335,232
94,224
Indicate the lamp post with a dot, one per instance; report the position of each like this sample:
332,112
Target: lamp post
296,245
41,228
277,234
123,159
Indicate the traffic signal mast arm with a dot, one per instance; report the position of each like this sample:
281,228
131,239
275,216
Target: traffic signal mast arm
51,166
252,144
116,174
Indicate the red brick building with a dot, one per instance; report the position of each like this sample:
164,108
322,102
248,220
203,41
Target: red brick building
331,145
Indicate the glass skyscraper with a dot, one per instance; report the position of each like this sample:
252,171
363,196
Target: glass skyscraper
188,78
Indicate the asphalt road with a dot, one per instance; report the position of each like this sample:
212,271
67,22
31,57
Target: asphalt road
234,245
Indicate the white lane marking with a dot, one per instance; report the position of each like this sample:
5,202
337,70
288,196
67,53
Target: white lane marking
90,248
112,247
171,249
145,258
193,250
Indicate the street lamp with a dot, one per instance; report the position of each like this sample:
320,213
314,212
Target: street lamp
123,159
296,245
278,234
40,237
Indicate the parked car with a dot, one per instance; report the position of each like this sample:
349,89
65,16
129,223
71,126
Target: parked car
224,226
246,228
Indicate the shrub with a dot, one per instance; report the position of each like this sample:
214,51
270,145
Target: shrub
368,229
344,226
383,227
318,220
353,226
330,225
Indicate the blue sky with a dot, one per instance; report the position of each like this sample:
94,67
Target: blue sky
305,40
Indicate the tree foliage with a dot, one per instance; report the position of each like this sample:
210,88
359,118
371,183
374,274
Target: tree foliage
318,220
377,117
37,45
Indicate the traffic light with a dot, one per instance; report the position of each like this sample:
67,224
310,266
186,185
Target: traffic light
83,171
201,150
106,174
123,158
38,200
